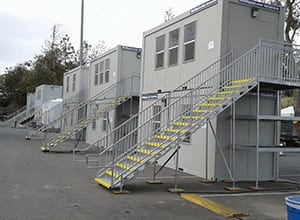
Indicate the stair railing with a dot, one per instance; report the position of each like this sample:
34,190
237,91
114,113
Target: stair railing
129,126
253,64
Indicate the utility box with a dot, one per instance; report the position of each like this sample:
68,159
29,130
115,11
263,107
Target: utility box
215,32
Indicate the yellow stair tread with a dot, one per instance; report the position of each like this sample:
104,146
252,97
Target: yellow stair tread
184,124
145,151
164,137
227,92
202,111
153,144
135,159
123,166
209,104
233,87
242,80
109,172
218,98
171,130
193,117
102,183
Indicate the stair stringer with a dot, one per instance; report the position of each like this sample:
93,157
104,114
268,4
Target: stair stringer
117,180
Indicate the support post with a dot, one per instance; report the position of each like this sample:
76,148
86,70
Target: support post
233,144
175,189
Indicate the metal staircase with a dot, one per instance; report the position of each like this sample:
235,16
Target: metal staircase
182,112
55,141
110,93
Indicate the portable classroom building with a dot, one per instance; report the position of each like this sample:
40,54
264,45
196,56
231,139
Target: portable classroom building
177,50
44,93
114,74
75,90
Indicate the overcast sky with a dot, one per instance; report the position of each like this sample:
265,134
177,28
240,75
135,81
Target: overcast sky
26,24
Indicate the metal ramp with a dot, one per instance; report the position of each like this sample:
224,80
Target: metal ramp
177,115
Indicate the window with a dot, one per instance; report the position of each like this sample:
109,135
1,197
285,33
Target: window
101,78
160,51
107,76
96,79
107,64
68,82
102,66
74,82
189,41
94,119
96,68
39,94
173,47
104,123
157,118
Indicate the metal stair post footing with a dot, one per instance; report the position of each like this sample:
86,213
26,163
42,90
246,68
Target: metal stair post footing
175,189
154,181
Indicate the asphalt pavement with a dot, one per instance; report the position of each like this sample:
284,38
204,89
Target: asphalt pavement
37,186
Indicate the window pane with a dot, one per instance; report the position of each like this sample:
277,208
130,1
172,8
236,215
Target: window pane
101,78
74,82
96,79
106,76
96,68
159,60
102,66
107,64
189,32
68,81
173,38
173,56
189,51
160,43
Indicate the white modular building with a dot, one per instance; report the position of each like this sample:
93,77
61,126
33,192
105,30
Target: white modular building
216,32
114,76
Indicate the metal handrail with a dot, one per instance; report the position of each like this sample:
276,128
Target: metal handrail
92,99
262,60
191,83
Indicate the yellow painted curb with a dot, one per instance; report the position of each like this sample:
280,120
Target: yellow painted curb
213,206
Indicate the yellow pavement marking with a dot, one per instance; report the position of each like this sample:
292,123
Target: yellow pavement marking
213,206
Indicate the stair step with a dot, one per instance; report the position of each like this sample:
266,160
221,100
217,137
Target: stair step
220,98
202,111
115,175
102,183
187,117
135,159
124,167
165,137
228,92
242,81
209,104
145,151
233,87
154,144
183,124
170,130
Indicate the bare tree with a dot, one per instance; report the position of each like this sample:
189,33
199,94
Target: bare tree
169,14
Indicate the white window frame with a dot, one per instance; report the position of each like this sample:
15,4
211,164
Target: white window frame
172,48
189,42
160,52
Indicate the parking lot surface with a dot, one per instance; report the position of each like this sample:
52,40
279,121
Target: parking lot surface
40,186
